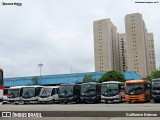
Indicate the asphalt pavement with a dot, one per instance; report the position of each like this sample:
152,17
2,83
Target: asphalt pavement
84,109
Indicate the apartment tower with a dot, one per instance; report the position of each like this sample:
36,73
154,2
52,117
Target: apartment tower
122,52
136,44
105,45
129,51
151,64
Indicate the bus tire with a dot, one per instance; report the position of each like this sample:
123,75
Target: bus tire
53,101
4,103
95,102
85,102
149,100
106,101
156,101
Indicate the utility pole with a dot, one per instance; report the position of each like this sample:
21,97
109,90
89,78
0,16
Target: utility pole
40,65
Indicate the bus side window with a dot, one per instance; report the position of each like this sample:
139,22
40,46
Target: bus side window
122,87
78,89
53,91
57,90
99,88
21,91
37,90
5,91
147,85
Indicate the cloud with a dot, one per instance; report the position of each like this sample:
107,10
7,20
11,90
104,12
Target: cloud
59,33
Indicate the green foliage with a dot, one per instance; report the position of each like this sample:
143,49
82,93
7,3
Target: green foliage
155,74
35,80
89,78
112,75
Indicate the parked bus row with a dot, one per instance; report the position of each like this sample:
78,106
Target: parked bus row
90,92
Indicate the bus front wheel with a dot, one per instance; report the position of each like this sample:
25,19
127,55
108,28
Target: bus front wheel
156,101
106,102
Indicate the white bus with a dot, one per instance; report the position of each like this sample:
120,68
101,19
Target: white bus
14,94
30,94
49,94
112,91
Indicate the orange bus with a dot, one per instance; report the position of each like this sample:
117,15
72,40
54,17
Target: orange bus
137,91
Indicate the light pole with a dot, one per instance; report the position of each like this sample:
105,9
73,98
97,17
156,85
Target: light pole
40,65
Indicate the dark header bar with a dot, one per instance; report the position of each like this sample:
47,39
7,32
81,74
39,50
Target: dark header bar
80,114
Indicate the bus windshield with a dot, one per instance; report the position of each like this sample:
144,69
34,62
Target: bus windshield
109,89
88,89
134,88
156,85
45,92
28,92
66,90
13,93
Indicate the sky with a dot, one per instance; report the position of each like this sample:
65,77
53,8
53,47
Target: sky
59,33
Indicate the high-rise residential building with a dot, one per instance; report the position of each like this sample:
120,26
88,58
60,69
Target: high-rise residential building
136,49
122,46
105,45
129,51
151,64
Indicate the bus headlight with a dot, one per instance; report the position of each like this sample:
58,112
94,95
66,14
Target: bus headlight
94,97
70,98
153,95
117,96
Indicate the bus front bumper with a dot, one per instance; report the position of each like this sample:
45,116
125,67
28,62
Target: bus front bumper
13,100
31,100
88,99
66,100
155,97
113,98
135,98
48,99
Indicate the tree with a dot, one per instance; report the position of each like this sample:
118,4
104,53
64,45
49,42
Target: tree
112,75
154,74
35,80
88,78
